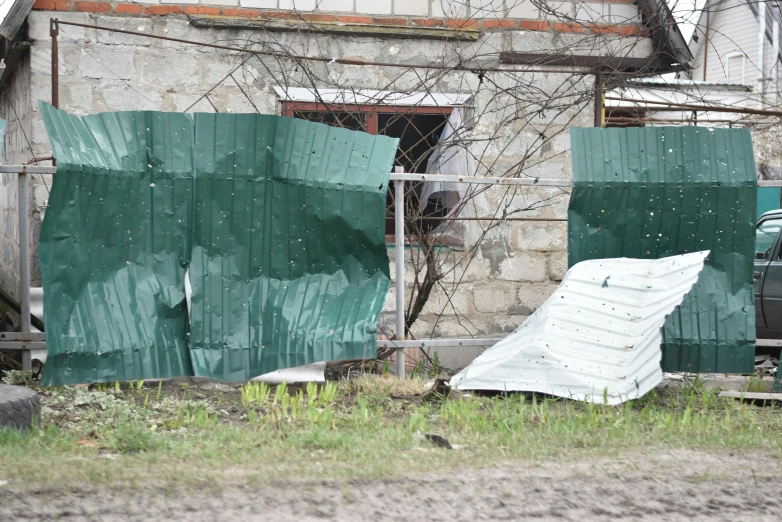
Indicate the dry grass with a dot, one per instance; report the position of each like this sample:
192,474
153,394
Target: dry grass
374,385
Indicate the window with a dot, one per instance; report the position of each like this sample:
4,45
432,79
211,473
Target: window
735,67
418,128
624,117
765,235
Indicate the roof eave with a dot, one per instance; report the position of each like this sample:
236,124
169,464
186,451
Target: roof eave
670,47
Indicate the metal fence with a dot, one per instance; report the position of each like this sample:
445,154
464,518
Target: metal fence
25,341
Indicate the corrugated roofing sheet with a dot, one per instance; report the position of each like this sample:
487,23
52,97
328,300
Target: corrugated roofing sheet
280,222
657,192
596,338
289,261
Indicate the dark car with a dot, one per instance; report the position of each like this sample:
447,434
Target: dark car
768,276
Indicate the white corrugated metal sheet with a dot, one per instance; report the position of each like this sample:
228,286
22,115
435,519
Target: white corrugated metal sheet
598,334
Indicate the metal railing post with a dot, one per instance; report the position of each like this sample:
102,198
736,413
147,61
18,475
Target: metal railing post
23,189
399,243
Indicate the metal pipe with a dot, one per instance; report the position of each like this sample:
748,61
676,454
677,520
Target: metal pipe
705,108
446,218
399,243
450,178
623,119
762,49
54,30
707,7
599,101
775,52
435,343
481,180
16,169
24,249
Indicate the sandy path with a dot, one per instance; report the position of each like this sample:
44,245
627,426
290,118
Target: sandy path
661,485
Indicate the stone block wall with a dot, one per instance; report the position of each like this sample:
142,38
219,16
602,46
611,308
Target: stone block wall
606,16
489,290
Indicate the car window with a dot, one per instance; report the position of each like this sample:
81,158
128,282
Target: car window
764,237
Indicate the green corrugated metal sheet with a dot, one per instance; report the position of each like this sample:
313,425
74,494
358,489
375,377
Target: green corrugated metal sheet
112,249
768,199
289,258
283,220
656,192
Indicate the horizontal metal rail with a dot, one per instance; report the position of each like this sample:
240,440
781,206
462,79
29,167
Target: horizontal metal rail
23,336
435,343
769,343
482,180
19,169
23,347
448,178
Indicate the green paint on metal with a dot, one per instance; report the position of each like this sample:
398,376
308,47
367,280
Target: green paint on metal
279,221
112,248
768,199
656,192
289,258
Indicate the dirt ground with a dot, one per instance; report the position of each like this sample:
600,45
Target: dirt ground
657,485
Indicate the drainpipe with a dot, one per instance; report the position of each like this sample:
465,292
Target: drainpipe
775,53
762,49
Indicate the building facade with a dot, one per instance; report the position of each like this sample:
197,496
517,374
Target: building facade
514,75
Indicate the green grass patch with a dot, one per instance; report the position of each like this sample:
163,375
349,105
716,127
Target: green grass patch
175,435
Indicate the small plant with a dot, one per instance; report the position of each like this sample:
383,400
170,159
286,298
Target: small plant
280,392
297,405
255,393
756,384
18,377
361,414
436,366
196,416
132,438
417,423
418,371
327,394
312,394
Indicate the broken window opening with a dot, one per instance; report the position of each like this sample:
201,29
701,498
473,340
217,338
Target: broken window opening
418,130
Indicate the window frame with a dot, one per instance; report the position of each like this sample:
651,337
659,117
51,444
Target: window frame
732,56
773,250
372,111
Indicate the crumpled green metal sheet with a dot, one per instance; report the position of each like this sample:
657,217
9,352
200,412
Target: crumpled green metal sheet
279,222
112,253
289,259
656,192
